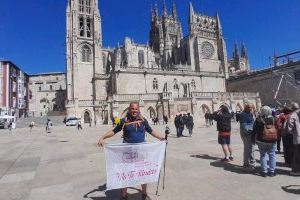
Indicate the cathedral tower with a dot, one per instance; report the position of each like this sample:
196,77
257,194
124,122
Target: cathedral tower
240,62
209,45
84,57
165,34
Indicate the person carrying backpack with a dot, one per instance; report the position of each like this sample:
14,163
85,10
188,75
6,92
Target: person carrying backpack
293,127
287,139
265,135
223,119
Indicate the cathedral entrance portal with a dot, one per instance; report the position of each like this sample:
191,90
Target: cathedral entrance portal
151,113
87,117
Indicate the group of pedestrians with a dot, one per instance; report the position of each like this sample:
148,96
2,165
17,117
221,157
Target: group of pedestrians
264,130
184,120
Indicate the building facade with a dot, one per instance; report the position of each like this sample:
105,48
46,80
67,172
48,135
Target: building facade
171,74
47,94
277,86
13,90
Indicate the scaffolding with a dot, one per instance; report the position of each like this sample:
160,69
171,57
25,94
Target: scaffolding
286,79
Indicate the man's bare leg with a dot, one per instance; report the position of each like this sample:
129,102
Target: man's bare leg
225,150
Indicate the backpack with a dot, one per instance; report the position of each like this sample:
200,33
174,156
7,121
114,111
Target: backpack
270,132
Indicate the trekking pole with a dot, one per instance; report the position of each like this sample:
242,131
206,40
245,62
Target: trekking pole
157,184
167,132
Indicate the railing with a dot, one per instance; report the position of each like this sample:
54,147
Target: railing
136,97
172,71
224,94
165,96
87,102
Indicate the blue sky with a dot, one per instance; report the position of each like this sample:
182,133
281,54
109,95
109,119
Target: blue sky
32,32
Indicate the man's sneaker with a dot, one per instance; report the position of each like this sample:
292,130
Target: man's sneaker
225,160
231,158
145,197
263,174
294,173
272,174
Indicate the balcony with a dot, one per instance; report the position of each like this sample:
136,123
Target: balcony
234,95
169,71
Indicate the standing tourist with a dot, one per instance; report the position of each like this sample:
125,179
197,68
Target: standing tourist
165,118
190,124
266,137
293,126
134,126
179,125
79,127
246,120
207,120
223,119
287,139
31,125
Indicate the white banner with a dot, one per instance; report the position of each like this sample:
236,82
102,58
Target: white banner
130,165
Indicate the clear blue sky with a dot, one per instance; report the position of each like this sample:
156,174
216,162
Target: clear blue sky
32,32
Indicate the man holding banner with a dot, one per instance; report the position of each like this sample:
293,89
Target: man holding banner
133,158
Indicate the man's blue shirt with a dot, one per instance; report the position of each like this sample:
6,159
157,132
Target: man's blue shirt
246,122
133,133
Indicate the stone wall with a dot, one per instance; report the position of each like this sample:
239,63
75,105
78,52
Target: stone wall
267,81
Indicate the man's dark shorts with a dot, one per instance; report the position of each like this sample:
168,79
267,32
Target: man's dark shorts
224,139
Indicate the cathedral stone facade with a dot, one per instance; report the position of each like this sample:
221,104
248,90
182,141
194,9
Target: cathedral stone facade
172,74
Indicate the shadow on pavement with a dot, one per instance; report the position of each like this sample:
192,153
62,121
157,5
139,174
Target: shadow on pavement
294,189
240,170
205,156
231,167
111,194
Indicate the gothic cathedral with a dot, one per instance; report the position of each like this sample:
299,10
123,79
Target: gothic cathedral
165,77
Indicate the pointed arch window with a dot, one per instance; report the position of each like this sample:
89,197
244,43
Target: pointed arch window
193,84
155,84
88,27
88,6
81,6
176,87
81,26
141,57
86,54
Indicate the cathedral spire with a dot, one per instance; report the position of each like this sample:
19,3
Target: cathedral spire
174,11
235,50
165,11
191,12
156,9
152,13
219,24
243,51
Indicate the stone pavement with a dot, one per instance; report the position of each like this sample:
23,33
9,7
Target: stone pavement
66,164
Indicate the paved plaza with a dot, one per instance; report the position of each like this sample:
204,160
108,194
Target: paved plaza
66,164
